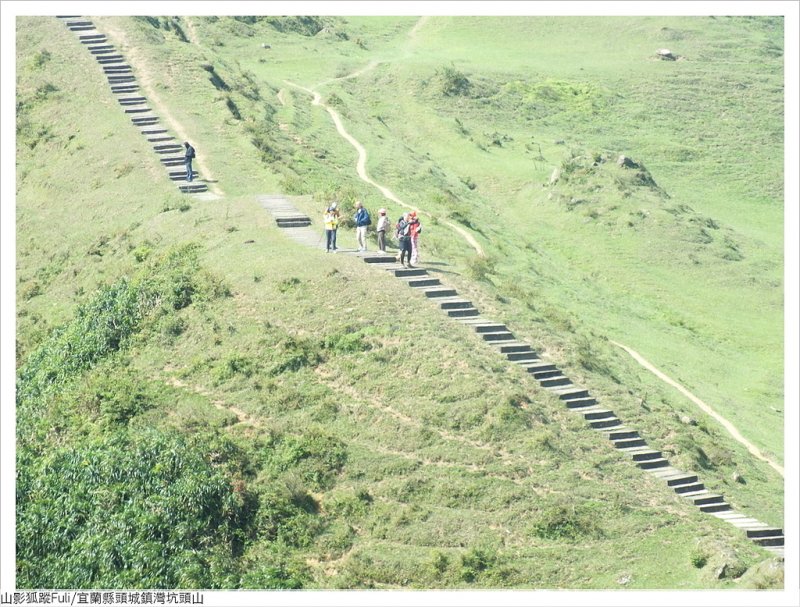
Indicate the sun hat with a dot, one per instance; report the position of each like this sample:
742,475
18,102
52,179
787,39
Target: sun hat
382,211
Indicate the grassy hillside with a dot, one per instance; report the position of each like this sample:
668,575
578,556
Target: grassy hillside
223,408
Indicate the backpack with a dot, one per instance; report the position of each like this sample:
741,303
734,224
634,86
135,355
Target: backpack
368,219
401,230
190,152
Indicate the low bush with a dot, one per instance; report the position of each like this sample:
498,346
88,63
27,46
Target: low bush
120,511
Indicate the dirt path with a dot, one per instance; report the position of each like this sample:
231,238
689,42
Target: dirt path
145,80
420,22
725,423
361,168
191,33
282,96
361,163
241,416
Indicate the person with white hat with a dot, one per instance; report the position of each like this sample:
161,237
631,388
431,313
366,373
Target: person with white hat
383,224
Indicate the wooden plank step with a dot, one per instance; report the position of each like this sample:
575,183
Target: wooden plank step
769,541
765,532
497,336
621,433
642,454
603,424
559,380
423,282
580,403
715,507
463,312
489,327
379,259
684,479
514,347
435,292
688,487
653,463
570,393
535,365
541,373
711,498
192,188
625,443
406,272
597,413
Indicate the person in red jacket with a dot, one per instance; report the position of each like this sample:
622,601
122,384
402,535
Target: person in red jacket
415,228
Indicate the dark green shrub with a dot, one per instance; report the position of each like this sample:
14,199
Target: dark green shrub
118,395
452,82
566,520
235,365
475,562
698,559
295,354
314,457
346,343
124,512
40,58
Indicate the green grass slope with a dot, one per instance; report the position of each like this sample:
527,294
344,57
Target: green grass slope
202,403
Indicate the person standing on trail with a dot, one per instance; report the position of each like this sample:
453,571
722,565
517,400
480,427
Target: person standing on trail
187,160
383,225
415,227
335,210
331,219
362,220
402,230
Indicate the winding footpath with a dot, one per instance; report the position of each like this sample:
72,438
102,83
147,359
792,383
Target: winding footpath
725,423
361,163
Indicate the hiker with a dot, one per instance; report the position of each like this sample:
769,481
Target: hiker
331,218
335,210
362,220
415,227
402,230
383,225
187,159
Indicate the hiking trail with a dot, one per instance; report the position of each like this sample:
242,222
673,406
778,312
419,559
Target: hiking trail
725,423
146,82
602,419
